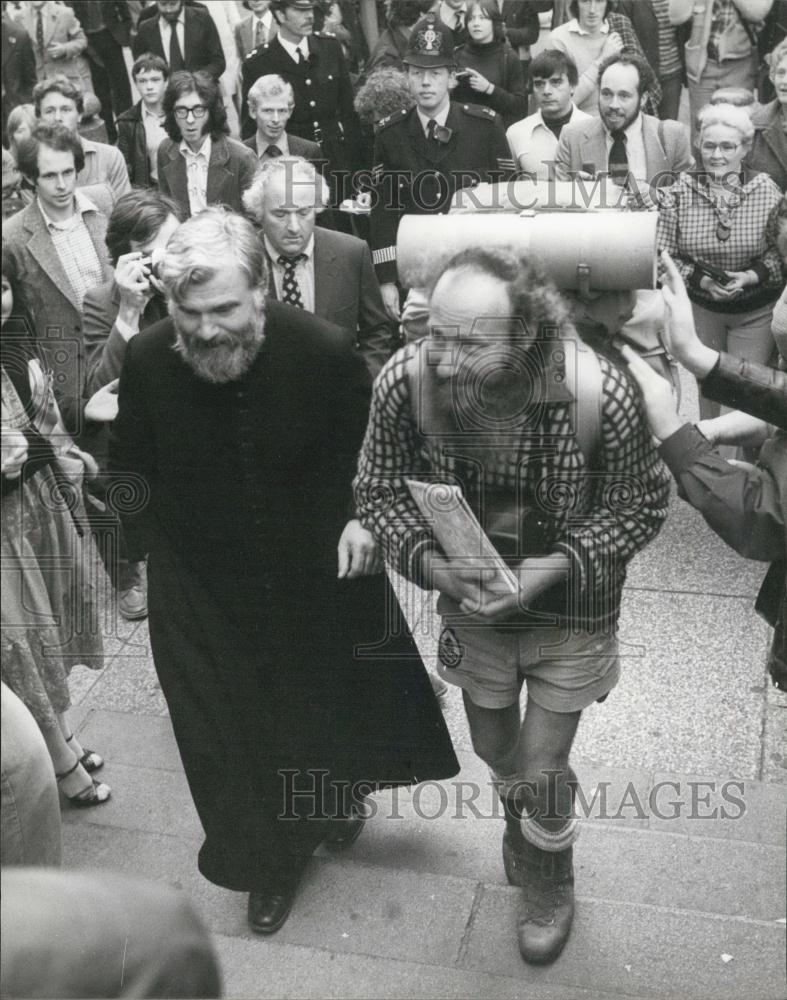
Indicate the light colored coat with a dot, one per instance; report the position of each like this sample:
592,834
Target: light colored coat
60,27
667,148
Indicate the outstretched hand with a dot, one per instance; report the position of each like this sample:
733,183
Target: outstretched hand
657,396
680,335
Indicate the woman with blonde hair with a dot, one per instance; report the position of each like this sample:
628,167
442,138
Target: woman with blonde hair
720,227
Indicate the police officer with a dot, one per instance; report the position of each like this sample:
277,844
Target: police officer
422,156
315,67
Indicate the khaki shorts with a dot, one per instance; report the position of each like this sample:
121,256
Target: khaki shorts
565,671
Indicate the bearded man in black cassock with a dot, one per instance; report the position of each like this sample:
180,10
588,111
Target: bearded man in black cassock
289,679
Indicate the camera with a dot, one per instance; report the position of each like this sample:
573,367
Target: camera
153,263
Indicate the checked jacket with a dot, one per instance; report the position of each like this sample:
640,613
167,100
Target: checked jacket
600,517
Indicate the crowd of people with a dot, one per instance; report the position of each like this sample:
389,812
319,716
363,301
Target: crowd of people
217,386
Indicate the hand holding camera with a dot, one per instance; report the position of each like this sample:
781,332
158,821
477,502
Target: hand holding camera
137,279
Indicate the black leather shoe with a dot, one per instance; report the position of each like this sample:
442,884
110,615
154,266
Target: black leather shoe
268,911
342,833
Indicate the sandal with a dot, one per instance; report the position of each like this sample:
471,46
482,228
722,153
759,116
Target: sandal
90,760
94,795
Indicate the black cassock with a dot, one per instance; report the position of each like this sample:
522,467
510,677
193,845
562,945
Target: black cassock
269,664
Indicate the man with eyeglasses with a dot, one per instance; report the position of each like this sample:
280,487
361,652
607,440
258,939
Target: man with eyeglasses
58,102
199,165
623,143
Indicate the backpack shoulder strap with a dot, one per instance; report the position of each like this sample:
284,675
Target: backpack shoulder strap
587,405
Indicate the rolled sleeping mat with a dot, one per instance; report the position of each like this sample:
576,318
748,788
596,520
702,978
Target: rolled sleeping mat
580,251
542,196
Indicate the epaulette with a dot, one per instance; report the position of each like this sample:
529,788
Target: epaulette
478,111
391,119
260,48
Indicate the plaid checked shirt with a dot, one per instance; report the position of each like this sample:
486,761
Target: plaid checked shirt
599,518
688,227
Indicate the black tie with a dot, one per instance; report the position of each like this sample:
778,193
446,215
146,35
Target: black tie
431,127
301,57
618,158
259,34
290,290
273,152
40,33
175,55
459,22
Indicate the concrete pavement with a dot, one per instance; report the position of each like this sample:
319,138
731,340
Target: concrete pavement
680,865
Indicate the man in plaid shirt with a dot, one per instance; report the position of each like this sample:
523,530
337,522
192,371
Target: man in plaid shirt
490,404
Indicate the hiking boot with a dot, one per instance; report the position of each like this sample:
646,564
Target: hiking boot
547,905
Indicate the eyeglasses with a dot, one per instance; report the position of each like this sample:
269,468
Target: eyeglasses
728,148
199,111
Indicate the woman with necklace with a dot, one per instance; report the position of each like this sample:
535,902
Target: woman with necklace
720,227
488,69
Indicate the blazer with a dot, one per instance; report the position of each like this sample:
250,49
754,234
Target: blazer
50,299
347,294
61,27
132,143
201,43
244,35
104,164
230,171
667,148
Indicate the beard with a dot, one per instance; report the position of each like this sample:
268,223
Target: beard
226,358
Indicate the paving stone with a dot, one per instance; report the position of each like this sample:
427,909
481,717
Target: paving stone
136,740
691,692
756,812
129,684
655,952
266,969
142,800
670,562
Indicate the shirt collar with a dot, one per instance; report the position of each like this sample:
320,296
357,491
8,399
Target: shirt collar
82,204
180,20
573,26
274,254
632,131
282,144
302,46
147,113
440,119
542,121
204,149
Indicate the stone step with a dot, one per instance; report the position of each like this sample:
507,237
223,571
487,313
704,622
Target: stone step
393,919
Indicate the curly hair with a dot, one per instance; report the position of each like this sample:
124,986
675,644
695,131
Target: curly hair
207,89
386,91
534,298
646,77
730,115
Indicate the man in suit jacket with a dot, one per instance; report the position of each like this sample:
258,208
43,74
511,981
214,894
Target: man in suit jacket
623,141
199,165
242,417
58,246
184,36
324,272
18,69
256,29
271,103
58,100
316,69
108,29
64,42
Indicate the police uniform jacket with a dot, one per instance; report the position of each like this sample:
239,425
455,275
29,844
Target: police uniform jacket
416,175
324,111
